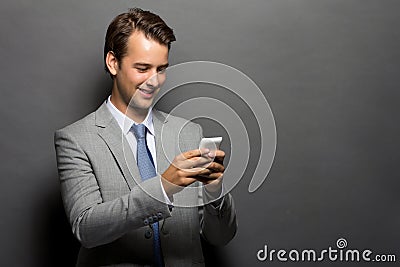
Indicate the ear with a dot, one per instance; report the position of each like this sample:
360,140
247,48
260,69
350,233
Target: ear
112,63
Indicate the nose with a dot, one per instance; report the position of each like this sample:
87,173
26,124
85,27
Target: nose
153,81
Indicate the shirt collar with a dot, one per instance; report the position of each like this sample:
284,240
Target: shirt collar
125,122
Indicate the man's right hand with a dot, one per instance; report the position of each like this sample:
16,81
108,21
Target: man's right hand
188,167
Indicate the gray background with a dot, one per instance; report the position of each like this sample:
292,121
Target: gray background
329,69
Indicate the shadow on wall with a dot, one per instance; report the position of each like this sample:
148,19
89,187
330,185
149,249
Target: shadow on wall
53,242
58,246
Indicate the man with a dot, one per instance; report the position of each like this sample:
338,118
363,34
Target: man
126,202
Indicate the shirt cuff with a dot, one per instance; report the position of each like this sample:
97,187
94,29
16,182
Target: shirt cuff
214,200
167,199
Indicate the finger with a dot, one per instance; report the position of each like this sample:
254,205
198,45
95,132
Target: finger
193,172
206,179
216,154
213,166
216,167
214,175
192,153
194,162
219,153
220,160
188,154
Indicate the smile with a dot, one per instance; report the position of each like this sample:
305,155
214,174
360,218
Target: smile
146,93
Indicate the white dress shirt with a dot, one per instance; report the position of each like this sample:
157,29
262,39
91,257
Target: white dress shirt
126,124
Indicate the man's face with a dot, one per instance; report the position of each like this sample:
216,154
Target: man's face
139,74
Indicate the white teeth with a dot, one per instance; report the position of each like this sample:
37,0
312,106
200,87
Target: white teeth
147,92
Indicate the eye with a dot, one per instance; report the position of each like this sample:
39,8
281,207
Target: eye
162,70
142,69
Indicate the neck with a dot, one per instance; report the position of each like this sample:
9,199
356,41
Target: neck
137,115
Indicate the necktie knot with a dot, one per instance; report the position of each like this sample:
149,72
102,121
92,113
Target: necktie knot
139,130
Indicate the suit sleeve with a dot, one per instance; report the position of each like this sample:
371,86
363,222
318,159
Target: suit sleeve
218,218
93,221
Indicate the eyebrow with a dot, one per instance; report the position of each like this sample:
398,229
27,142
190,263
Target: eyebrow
141,64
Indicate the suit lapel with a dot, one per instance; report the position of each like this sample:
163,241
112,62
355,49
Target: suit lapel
110,132
165,142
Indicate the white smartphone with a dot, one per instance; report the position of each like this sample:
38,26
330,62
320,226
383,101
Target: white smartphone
212,143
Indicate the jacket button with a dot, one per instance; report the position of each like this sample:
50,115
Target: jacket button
150,219
148,234
146,222
155,218
160,216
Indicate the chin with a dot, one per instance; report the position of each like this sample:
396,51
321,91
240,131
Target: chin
141,107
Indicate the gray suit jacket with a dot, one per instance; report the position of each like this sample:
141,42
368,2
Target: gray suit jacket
109,210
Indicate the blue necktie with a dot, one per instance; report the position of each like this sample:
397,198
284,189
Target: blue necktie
147,171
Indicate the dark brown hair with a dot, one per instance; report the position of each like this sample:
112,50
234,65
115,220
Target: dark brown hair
122,26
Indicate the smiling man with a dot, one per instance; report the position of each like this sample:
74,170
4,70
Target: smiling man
119,189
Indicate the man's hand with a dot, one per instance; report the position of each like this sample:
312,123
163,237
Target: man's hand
194,165
216,167
214,186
